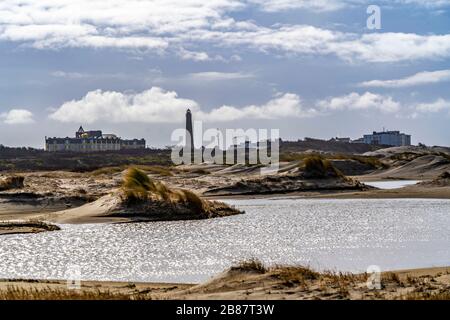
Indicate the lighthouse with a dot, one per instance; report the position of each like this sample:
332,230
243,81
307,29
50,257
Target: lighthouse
189,134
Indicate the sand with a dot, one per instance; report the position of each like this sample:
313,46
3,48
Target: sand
288,283
16,227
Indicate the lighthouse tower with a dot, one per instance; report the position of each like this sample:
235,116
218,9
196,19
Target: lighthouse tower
190,136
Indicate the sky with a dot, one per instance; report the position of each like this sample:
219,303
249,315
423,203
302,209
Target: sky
307,68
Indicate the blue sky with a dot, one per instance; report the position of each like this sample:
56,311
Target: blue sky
308,68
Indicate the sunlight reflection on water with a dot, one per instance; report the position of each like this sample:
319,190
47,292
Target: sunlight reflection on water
346,235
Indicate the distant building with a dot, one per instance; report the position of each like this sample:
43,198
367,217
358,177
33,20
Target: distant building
388,138
343,140
89,141
359,140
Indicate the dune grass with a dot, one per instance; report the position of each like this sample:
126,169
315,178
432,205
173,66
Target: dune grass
296,273
138,186
443,295
16,293
250,265
374,162
107,171
193,200
158,170
316,167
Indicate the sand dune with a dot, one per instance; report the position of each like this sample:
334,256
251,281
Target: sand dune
113,208
410,162
421,168
277,283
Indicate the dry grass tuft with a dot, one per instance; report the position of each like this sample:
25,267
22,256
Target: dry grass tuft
15,293
250,265
193,200
107,171
441,295
295,274
14,182
138,187
374,162
158,170
316,167
344,276
391,276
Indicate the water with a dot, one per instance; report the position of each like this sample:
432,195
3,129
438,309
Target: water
346,235
394,184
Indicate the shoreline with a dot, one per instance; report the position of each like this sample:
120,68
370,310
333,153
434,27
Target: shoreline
409,192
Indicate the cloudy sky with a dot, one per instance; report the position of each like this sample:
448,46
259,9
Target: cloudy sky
309,68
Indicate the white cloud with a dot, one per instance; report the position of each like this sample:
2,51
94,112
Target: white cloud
393,47
17,116
333,5
99,23
83,75
427,3
161,27
420,78
70,75
159,106
315,5
355,101
309,40
218,76
282,106
433,107
153,106
194,55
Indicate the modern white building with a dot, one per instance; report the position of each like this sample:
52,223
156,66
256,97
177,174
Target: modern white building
388,138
